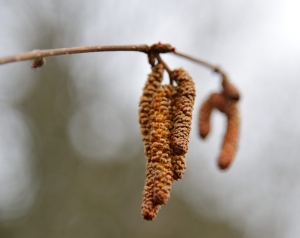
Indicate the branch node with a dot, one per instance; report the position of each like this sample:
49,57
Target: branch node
38,63
161,48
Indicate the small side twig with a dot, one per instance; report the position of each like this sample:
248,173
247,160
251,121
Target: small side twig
160,60
202,62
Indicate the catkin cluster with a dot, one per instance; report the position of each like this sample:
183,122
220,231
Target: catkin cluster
225,102
165,122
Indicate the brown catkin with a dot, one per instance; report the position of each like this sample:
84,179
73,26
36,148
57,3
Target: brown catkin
204,118
225,102
178,161
178,166
219,101
153,83
215,100
183,115
149,208
160,145
230,142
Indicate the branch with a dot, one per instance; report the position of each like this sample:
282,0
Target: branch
155,49
31,55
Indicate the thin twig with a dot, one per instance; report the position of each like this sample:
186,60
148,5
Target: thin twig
202,62
31,55
160,60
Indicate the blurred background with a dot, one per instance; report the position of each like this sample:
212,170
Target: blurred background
71,156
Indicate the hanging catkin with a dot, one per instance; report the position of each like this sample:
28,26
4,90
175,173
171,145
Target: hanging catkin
178,166
230,141
178,161
149,208
160,145
183,115
153,83
225,102
215,100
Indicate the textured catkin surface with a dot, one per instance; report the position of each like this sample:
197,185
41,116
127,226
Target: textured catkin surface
149,208
183,114
153,83
178,161
178,166
160,146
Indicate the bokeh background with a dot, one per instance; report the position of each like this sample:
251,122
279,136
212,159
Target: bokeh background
71,156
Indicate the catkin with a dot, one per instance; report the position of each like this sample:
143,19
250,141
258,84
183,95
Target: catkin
153,83
183,115
225,102
178,166
149,208
215,100
160,145
204,118
230,141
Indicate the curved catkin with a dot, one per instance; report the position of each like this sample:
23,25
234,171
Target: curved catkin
204,118
160,146
219,101
230,142
215,100
183,115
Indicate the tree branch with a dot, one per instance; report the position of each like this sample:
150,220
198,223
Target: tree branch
31,55
155,49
